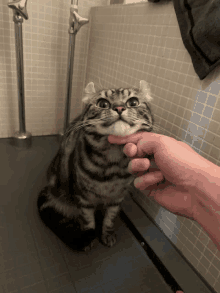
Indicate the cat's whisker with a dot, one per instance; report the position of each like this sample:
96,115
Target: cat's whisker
81,125
84,123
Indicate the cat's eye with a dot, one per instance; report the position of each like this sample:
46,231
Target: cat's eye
133,102
103,103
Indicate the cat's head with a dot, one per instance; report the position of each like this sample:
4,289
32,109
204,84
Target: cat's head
122,111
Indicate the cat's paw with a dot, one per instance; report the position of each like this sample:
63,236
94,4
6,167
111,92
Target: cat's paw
89,247
109,239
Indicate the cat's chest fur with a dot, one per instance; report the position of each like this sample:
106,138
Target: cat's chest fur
102,171
114,154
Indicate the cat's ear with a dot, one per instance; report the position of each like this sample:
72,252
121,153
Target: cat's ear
90,88
145,89
89,92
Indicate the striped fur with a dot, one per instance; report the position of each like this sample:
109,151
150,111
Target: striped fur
88,178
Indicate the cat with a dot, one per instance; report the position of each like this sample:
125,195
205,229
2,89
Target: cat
88,178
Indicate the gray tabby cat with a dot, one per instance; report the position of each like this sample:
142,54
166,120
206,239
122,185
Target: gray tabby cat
88,174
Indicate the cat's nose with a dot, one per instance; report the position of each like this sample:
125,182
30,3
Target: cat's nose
119,109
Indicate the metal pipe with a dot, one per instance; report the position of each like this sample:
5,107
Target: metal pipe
75,2
69,79
75,23
20,71
21,138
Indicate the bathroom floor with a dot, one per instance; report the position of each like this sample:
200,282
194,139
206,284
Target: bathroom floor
33,259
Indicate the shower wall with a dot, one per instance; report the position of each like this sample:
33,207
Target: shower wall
45,42
142,41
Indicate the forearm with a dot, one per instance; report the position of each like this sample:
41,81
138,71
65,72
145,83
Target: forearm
208,184
207,211
210,222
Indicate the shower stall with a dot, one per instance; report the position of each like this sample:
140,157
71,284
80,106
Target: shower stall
116,48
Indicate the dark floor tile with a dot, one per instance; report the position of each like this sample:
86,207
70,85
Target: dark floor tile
49,257
26,269
36,288
137,280
87,278
44,237
25,259
161,288
30,279
135,287
91,290
88,287
96,290
126,267
6,265
56,270
58,282
66,289
21,277
9,281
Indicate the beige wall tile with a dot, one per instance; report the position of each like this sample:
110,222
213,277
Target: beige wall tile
215,152
187,114
210,137
216,115
214,126
206,147
217,105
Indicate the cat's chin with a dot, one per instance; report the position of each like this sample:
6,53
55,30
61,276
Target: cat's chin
119,128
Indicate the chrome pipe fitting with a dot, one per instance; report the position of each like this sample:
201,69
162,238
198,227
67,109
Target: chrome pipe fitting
20,7
75,23
21,138
75,20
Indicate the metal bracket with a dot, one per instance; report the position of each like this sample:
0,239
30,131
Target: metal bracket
76,21
20,9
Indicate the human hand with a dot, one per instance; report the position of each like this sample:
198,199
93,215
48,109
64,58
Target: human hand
178,163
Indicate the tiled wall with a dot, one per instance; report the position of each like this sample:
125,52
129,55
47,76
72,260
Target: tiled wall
45,42
142,41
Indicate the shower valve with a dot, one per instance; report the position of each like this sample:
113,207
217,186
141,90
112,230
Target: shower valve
19,7
76,21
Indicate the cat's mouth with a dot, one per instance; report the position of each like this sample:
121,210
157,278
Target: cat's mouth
120,118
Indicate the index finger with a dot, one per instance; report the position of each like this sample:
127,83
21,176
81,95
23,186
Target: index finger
133,138
146,142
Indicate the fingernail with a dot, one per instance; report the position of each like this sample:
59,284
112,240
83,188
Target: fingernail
129,167
137,181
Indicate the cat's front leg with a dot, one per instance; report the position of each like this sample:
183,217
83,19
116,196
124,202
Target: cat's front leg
108,236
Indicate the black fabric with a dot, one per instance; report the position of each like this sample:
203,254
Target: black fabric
199,23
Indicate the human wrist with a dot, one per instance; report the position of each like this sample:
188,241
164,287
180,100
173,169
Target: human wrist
206,210
209,220
207,185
